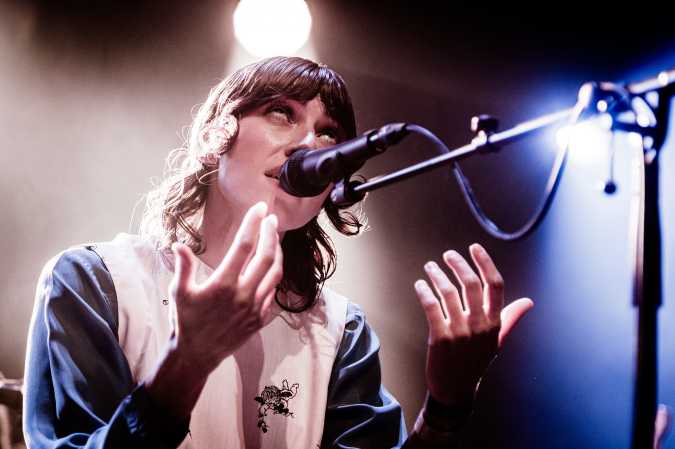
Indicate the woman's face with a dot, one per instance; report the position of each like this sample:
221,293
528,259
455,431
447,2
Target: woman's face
267,136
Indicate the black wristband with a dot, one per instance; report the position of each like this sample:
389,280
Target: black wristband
149,423
445,418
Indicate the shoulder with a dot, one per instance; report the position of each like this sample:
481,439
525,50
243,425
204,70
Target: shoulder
75,284
339,307
128,246
77,267
353,313
90,265
358,338
134,258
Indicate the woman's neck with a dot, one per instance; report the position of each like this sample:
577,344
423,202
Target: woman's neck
219,227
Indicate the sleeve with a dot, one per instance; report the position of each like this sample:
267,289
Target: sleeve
79,392
360,411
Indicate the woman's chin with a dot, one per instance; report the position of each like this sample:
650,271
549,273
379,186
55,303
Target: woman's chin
290,220
294,212
286,225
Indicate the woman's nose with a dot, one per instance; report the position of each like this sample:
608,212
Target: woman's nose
310,140
295,148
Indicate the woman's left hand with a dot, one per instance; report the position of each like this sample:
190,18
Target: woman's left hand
467,331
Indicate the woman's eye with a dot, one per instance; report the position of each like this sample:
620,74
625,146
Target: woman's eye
281,110
330,134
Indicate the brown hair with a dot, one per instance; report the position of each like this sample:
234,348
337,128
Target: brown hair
174,209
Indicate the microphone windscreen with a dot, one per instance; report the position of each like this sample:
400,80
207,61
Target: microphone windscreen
293,178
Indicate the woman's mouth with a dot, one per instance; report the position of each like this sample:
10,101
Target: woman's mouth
274,173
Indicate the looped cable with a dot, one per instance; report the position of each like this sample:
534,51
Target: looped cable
551,186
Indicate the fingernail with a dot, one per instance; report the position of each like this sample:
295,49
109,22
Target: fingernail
261,205
477,247
429,266
451,254
419,285
274,221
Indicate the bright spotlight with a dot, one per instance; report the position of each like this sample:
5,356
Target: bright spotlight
588,140
272,27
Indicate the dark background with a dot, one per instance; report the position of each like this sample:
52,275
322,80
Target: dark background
94,94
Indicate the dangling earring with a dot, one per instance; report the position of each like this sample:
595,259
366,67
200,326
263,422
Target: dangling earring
208,159
228,128
217,139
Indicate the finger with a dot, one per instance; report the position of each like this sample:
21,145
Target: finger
266,309
185,269
273,276
472,290
511,315
493,292
662,425
264,255
446,290
432,310
243,245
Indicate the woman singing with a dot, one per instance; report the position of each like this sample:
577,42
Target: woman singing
212,328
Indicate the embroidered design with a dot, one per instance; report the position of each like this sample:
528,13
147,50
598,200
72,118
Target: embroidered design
275,399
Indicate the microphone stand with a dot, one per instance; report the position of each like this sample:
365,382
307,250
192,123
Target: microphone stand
485,140
649,101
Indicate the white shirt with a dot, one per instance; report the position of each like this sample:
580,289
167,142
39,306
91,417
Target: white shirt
286,365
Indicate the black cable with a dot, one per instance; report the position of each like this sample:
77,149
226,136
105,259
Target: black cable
486,223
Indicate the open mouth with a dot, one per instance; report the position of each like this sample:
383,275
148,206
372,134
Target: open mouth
274,173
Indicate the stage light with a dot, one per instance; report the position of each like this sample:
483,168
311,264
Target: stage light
588,140
272,27
635,139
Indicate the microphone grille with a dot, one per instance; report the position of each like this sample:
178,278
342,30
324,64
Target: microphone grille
293,180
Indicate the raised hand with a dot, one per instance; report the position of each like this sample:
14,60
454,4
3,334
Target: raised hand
467,330
214,318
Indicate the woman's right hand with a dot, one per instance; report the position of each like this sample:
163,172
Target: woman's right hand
212,319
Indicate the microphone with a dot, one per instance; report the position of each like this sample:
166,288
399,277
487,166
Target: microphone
308,172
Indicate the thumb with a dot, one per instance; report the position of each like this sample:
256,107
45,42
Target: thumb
511,315
662,424
185,267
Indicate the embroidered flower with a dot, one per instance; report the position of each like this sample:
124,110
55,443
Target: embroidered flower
275,399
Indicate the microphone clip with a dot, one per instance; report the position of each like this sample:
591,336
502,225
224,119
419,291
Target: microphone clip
378,140
343,194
